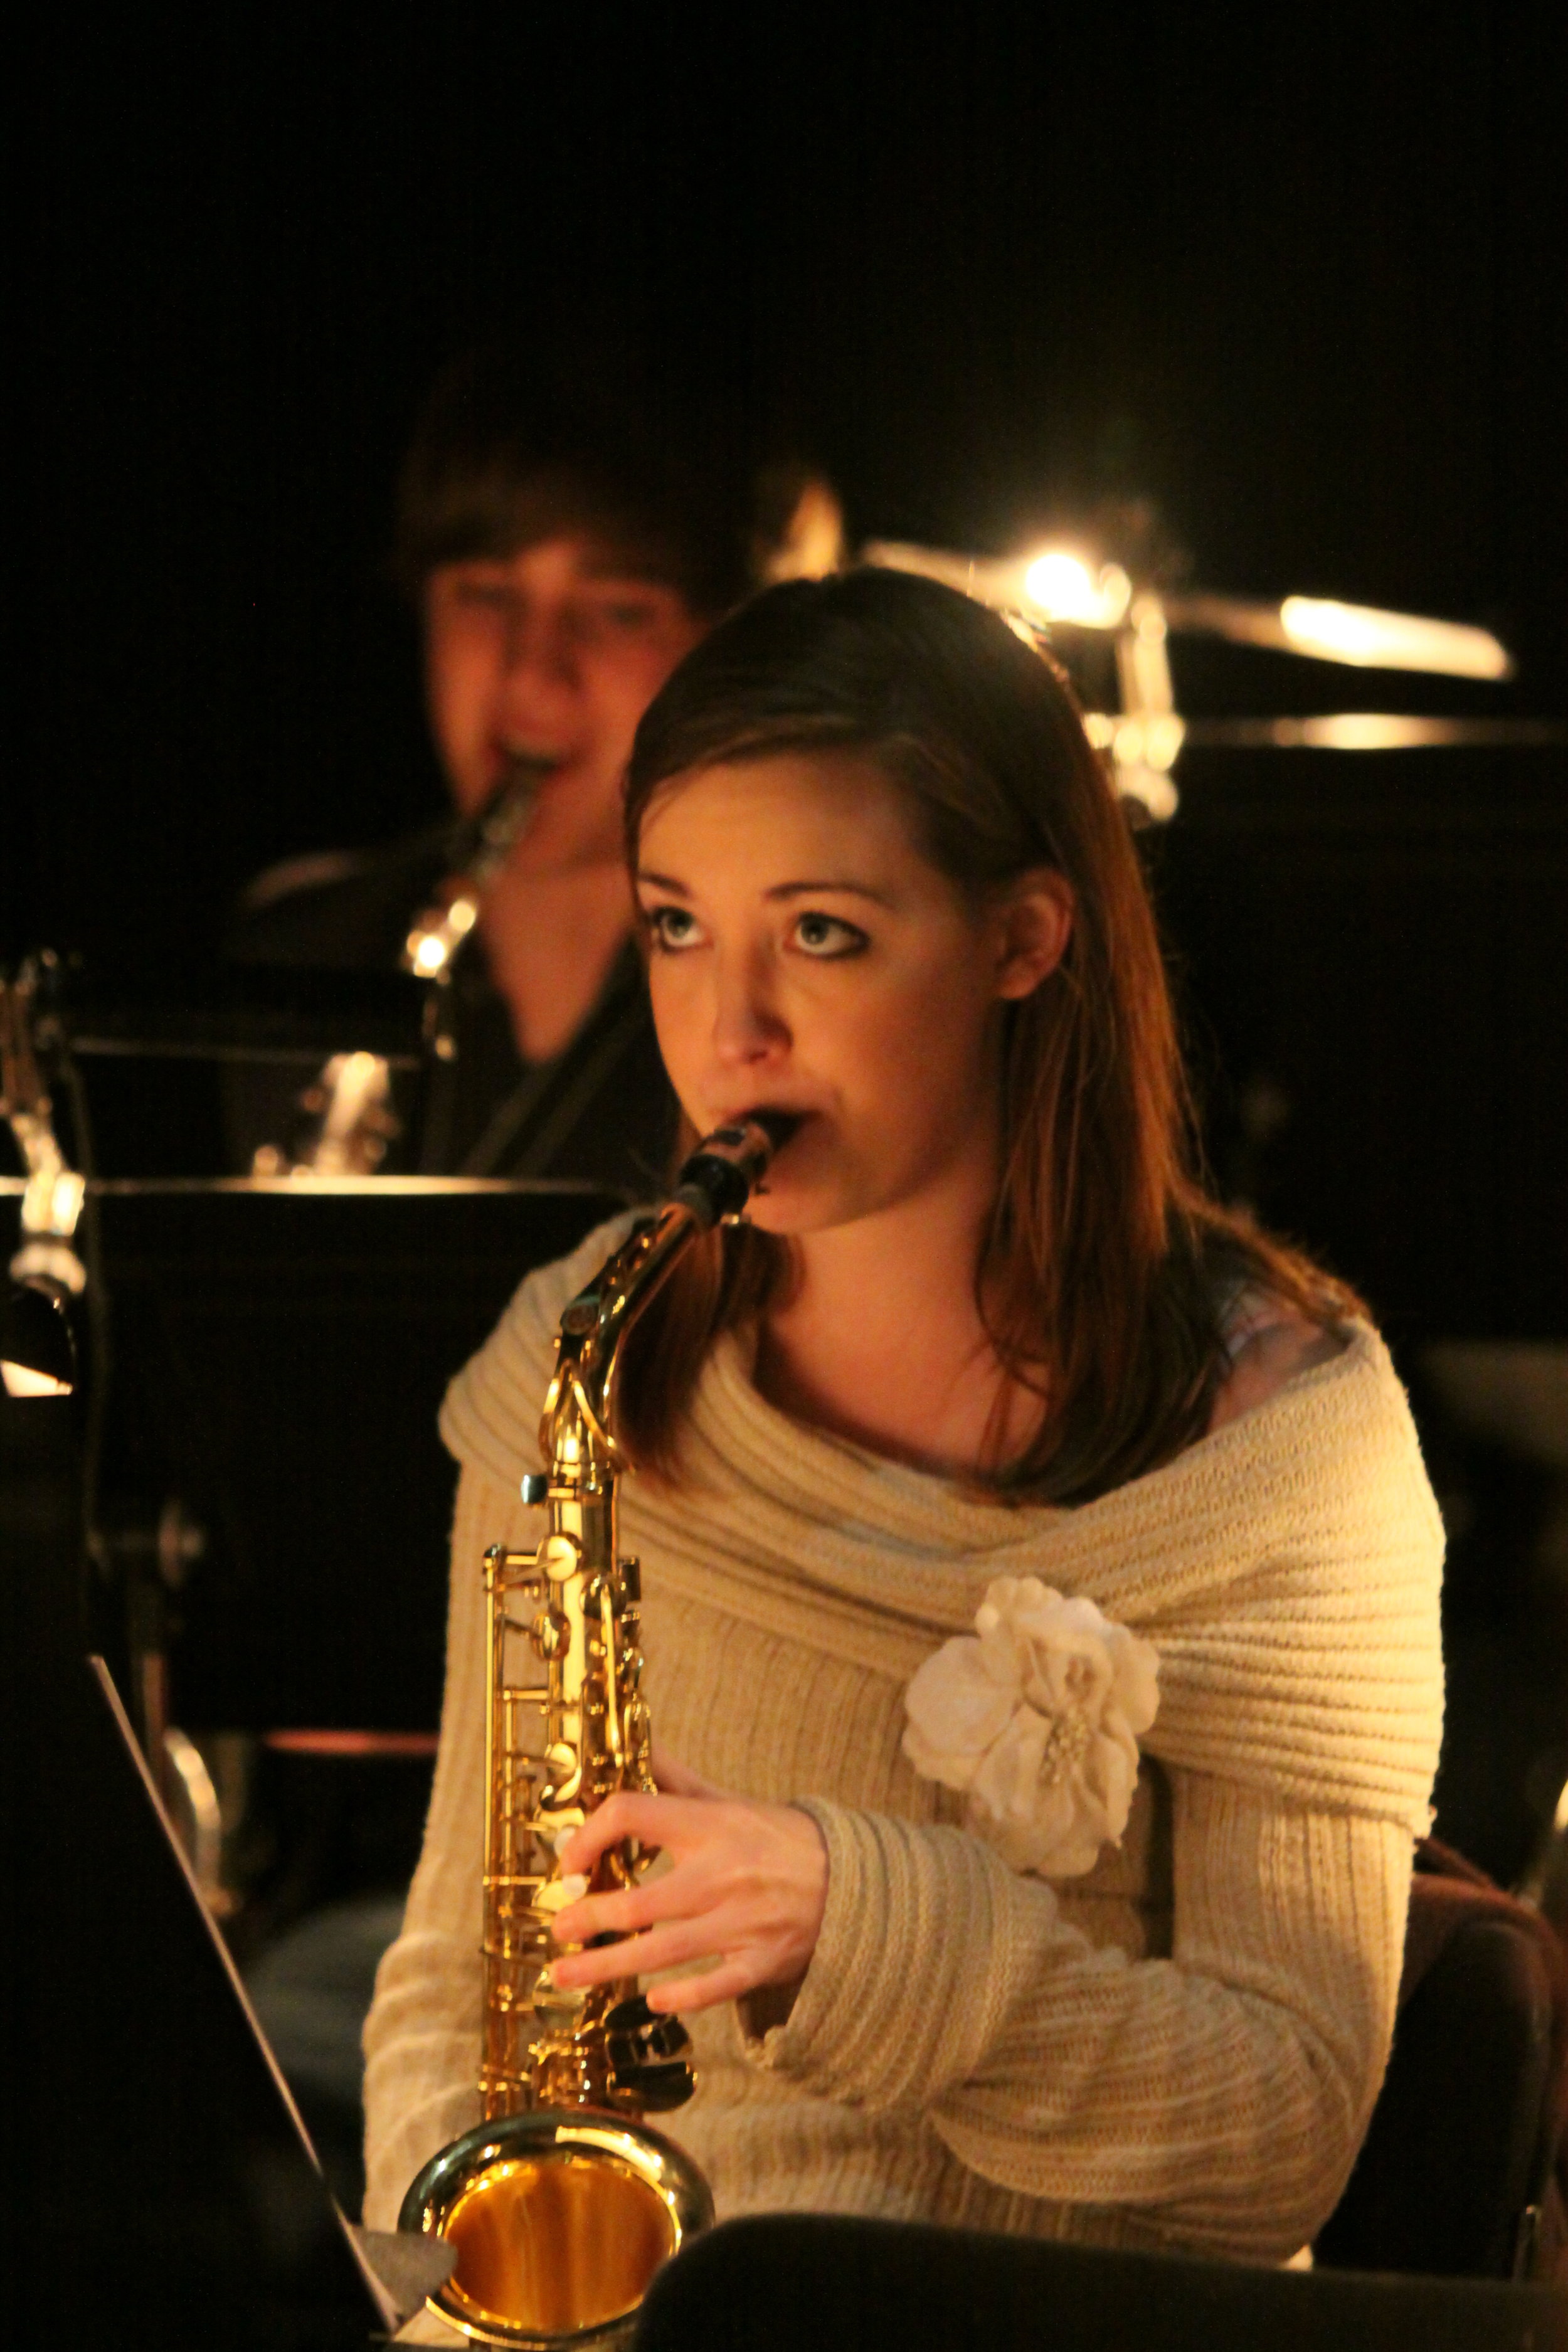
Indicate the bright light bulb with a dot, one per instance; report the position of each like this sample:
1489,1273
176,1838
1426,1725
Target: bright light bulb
1062,586
1370,639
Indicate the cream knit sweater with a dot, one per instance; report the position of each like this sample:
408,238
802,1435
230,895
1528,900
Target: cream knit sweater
1181,2048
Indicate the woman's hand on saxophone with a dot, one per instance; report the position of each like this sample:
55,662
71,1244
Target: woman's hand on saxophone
745,1895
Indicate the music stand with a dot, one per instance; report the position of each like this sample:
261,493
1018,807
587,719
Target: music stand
279,1354
169,2196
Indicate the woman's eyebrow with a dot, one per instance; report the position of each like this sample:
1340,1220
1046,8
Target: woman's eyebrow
805,889
845,889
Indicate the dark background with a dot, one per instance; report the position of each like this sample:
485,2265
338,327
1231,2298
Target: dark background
1280,299
1301,289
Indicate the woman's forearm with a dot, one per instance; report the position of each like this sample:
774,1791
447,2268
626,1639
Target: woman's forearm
1221,2092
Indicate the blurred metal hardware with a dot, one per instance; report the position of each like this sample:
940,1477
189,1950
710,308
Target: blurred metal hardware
1056,588
480,847
52,1200
344,1120
191,1798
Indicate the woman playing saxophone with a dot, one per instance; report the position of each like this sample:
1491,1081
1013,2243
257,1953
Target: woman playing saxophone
1039,1575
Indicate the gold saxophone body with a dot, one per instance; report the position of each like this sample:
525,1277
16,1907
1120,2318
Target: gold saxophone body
561,2203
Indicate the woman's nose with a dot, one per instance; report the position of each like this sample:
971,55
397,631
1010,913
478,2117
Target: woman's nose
748,1025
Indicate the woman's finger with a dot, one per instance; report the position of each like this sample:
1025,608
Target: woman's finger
678,1780
669,1946
624,1910
685,1994
652,1821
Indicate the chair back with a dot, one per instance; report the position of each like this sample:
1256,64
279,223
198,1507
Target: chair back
1458,2162
827,2283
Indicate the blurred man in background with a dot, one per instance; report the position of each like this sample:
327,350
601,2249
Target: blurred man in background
565,537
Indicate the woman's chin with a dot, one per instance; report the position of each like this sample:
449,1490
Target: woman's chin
783,1204
771,1214
799,1209
811,1186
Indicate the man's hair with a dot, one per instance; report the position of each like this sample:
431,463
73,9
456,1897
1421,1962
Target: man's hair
523,441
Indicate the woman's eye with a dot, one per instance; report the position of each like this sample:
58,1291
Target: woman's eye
671,928
826,936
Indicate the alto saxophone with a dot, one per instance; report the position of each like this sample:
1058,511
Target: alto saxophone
563,2203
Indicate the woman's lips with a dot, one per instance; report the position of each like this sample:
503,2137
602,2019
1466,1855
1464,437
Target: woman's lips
782,1121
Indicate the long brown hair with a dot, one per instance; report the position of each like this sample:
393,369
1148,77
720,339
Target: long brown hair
1108,1270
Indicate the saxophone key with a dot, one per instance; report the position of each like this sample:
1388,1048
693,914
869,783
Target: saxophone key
560,1556
549,1632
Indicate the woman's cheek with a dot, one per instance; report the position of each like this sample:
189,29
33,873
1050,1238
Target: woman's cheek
674,1000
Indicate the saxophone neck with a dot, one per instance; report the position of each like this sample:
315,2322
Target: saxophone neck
576,1429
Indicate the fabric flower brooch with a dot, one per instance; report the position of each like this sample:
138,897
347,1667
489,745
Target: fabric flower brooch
1036,1716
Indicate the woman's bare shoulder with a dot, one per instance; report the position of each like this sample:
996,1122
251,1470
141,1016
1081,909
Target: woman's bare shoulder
1270,1344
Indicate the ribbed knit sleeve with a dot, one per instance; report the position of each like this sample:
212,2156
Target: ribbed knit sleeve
1219,2095
422,2037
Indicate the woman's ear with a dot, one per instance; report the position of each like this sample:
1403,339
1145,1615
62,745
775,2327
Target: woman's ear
1036,924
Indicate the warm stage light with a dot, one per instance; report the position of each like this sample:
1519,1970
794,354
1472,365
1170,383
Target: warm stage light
1370,639
37,1357
1062,587
1367,731
21,1380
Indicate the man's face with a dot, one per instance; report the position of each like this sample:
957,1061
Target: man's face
554,652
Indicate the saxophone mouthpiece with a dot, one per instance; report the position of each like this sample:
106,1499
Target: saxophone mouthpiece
778,1126
727,1166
